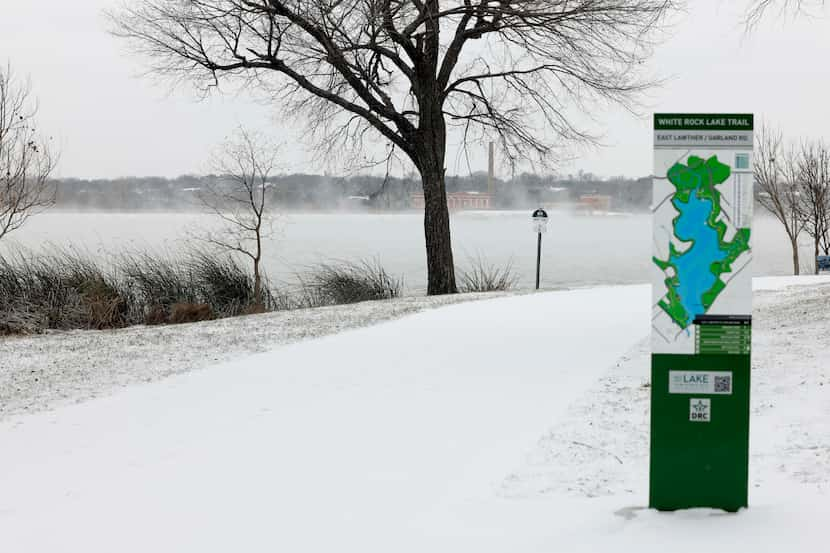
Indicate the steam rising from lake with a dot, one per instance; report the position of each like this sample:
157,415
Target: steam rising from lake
578,250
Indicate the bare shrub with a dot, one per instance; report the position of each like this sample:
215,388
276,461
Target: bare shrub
156,315
223,284
200,276
106,306
485,277
19,322
190,313
158,280
255,309
65,289
347,282
62,290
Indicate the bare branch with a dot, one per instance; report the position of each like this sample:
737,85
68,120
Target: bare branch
26,159
384,60
239,197
814,194
759,9
777,174
361,73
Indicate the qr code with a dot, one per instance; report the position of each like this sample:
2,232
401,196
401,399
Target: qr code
723,384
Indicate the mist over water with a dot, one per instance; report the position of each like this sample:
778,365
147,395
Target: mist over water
578,250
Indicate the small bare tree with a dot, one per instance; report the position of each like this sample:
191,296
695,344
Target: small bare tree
26,160
776,171
405,72
824,242
814,194
240,197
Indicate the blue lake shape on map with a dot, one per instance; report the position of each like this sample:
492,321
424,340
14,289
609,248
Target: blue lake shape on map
692,266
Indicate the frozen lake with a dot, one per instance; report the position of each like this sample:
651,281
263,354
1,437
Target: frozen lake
578,250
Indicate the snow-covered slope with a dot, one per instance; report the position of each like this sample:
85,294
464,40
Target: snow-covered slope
45,371
511,425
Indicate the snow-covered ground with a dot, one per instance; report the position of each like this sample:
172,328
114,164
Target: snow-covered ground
60,367
517,424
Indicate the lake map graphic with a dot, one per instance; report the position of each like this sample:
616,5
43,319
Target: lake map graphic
693,276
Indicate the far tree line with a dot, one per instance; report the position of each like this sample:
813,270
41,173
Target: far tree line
303,191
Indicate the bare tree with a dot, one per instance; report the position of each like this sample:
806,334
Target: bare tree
26,160
814,194
824,241
239,196
405,72
776,171
759,9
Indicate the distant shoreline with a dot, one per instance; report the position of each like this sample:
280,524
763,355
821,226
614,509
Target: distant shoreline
565,208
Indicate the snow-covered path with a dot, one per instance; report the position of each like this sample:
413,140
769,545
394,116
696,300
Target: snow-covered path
512,425
352,442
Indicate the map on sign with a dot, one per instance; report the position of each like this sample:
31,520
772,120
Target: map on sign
702,242
693,280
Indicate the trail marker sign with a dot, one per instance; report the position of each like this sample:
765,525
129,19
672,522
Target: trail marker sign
540,226
540,221
701,310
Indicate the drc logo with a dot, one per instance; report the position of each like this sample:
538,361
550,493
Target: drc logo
700,409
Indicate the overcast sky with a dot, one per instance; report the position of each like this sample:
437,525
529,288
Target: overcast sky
111,121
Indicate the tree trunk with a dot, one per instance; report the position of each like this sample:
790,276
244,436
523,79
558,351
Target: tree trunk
432,135
258,295
257,285
440,266
794,244
815,256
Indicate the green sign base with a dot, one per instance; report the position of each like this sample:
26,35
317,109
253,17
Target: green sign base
699,435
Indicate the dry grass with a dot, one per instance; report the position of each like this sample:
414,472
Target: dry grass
64,289
347,282
67,290
485,277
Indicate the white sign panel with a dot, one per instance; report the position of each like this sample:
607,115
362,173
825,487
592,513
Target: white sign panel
540,221
700,409
702,216
700,382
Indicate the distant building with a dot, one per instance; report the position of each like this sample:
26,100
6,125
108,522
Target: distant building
459,200
594,202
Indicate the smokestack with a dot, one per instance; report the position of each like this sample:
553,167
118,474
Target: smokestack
490,171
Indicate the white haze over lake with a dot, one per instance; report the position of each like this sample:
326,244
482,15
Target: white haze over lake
578,250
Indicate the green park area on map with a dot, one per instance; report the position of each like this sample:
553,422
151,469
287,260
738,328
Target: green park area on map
693,279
